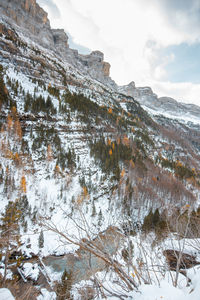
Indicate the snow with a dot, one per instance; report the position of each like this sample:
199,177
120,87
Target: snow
163,289
46,295
31,270
8,275
44,194
194,275
186,119
167,291
153,292
5,294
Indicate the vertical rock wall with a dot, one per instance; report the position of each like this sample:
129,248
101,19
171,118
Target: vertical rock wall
33,22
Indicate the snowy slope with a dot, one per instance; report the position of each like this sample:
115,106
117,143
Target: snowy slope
79,158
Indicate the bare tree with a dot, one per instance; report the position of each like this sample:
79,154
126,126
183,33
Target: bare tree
96,247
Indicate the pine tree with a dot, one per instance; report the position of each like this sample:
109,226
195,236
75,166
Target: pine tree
156,218
3,90
148,222
100,218
9,232
93,210
41,240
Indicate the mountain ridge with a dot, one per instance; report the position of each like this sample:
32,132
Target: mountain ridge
84,167
28,15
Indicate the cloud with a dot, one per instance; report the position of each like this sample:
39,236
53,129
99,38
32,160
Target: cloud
51,7
130,33
186,92
183,17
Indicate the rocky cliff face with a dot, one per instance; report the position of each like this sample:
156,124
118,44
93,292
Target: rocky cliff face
31,20
144,95
94,64
163,105
60,40
28,15
129,89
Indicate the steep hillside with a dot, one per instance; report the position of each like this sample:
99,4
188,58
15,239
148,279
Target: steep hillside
84,168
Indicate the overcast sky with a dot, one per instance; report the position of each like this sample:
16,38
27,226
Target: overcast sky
152,42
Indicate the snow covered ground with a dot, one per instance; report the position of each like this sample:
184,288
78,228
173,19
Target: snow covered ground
57,196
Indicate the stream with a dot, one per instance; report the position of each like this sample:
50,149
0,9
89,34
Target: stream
82,265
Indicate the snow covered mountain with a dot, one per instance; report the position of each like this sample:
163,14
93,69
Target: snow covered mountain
87,170
165,106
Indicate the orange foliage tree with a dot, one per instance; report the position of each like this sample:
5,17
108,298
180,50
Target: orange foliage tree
23,184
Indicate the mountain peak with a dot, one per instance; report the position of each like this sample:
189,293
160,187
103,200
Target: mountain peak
30,19
23,11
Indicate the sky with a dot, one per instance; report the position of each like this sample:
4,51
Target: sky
154,43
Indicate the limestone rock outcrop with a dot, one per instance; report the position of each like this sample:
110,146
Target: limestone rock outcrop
129,89
163,105
60,40
28,17
96,59
144,95
106,69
